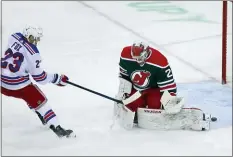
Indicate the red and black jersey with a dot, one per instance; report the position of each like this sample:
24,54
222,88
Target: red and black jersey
155,73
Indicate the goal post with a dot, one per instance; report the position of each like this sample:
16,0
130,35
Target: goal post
226,43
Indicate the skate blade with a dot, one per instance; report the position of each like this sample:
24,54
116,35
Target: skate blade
72,135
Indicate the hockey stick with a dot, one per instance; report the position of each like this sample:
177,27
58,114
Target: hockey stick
125,102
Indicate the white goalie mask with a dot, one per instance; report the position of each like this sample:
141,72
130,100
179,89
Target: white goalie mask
33,33
140,51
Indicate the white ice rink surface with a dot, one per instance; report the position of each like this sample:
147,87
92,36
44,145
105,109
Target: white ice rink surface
84,41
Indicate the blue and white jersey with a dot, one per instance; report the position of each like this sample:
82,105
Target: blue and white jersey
20,60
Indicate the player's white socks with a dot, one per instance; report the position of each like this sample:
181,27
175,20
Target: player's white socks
48,114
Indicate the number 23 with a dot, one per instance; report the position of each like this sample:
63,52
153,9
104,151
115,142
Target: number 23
18,58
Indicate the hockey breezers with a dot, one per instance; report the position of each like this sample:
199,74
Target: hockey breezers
125,102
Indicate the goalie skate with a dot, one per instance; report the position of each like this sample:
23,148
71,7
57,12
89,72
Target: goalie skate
209,117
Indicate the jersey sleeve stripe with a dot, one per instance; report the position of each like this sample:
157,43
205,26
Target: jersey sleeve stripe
40,77
170,87
122,69
28,47
16,35
166,85
27,76
38,74
165,82
14,83
123,73
14,80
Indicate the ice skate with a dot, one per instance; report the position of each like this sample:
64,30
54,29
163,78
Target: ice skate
60,132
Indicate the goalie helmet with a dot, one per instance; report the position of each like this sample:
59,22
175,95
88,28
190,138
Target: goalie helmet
140,51
32,33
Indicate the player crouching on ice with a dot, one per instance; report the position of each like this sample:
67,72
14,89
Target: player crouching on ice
146,74
22,59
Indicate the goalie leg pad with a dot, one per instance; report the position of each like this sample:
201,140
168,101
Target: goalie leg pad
116,108
126,118
186,119
200,121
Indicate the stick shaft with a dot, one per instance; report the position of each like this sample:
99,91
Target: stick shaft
92,91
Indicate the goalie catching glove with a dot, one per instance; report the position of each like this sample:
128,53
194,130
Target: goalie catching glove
60,80
171,104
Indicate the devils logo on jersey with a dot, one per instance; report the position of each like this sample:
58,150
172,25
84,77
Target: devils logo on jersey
140,78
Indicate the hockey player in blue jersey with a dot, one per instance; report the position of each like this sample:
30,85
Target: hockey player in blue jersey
21,59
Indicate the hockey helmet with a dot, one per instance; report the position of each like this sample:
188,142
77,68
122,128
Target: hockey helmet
33,33
140,52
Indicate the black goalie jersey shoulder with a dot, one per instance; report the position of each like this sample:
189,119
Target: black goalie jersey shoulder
123,71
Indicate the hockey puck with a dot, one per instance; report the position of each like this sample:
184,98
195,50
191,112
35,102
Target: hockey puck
213,119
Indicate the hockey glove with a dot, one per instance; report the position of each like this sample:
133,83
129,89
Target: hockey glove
171,104
60,80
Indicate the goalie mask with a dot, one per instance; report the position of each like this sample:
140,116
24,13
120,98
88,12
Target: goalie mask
140,52
33,34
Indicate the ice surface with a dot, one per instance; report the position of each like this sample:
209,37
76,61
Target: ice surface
85,42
